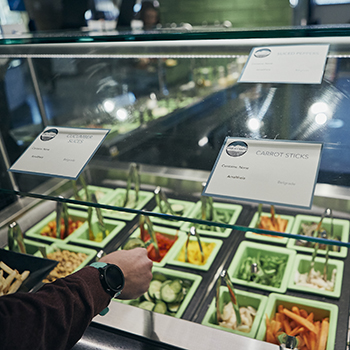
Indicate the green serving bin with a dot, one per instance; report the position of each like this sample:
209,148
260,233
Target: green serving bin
81,235
340,230
227,213
187,209
102,195
193,280
320,310
117,198
270,239
168,232
244,299
34,232
173,258
302,265
252,249
91,253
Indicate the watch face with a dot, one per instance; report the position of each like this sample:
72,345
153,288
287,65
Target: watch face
114,278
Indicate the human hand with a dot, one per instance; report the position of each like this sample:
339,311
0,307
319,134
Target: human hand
137,270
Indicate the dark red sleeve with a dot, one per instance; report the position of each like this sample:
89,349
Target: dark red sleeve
56,316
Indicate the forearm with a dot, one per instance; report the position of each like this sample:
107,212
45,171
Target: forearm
56,316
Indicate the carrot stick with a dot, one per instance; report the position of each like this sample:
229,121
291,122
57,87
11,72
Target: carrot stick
279,317
306,340
301,320
310,317
270,337
280,308
303,313
296,310
296,331
318,331
323,335
276,327
312,341
287,327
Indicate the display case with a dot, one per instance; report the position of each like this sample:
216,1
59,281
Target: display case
169,99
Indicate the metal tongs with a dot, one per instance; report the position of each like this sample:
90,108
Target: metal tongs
134,176
324,235
193,232
207,206
100,222
15,238
145,220
61,211
234,301
162,201
259,215
287,341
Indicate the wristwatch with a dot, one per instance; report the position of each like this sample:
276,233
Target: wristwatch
112,279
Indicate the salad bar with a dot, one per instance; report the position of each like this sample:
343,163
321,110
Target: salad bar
281,288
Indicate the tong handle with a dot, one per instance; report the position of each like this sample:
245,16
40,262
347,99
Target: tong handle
15,238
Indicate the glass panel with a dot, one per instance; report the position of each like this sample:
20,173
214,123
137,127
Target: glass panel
169,105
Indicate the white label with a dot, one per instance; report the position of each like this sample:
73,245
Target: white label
60,151
296,64
266,171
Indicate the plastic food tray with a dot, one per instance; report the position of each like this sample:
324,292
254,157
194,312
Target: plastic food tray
302,264
173,258
81,235
257,301
91,253
251,249
188,207
103,194
268,239
320,310
340,230
117,198
171,233
39,268
34,232
195,280
230,211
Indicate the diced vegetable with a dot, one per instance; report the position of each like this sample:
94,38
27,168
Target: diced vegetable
270,269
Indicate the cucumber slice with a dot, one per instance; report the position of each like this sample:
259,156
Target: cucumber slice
147,305
180,296
134,302
176,286
159,276
154,288
146,297
160,307
173,307
167,294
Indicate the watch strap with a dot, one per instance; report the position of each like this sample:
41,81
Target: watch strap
98,265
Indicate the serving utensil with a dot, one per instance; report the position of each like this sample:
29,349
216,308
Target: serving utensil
100,221
327,211
224,275
162,201
193,232
207,206
145,220
133,177
15,238
61,212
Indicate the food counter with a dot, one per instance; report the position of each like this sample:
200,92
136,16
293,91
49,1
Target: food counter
170,100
